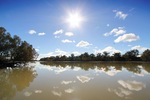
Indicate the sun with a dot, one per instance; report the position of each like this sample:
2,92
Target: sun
74,19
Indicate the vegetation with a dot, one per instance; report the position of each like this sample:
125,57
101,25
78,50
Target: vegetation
132,55
146,55
12,49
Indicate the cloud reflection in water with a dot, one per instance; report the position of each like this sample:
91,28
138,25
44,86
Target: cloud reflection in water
132,85
69,90
121,92
67,82
38,91
57,93
128,88
111,72
27,94
84,79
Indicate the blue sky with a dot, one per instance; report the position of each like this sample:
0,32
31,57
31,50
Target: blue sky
94,26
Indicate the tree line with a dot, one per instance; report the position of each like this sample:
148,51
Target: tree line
132,55
13,49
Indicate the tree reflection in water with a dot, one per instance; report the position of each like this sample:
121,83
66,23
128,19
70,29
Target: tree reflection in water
135,67
15,80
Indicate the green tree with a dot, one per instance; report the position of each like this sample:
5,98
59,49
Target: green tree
146,55
16,42
85,56
5,44
92,57
131,55
117,56
99,57
13,49
72,58
25,52
105,56
63,58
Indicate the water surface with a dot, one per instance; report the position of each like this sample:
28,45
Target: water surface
76,81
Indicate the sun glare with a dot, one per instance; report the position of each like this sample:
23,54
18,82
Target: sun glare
74,19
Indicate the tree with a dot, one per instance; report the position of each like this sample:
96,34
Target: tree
63,58
13,49
5,44
117,56
105,56
92,57
84,57
146,55
25,52
131,55
72,57
99,56
16,42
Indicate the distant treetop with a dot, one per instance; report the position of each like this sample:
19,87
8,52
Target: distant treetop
132,55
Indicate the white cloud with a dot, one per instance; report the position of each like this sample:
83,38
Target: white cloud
127,38
83,44
120,14
132,85
76,53
37,50
69,34
140,48
58,32
58,52
68,41
32,32
116,31
108,49
41,33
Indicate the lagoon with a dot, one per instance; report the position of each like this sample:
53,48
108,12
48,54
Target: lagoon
76,81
